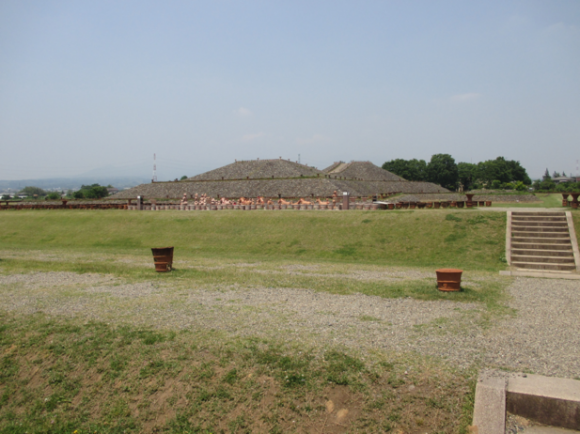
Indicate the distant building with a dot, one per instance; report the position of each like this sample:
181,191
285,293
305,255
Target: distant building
563,179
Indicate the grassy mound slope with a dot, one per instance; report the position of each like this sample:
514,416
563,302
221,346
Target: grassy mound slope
64,376
460,238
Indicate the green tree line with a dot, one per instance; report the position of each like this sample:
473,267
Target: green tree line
94,191
442,170
548,184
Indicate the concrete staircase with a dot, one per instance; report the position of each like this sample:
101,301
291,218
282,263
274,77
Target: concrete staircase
542,241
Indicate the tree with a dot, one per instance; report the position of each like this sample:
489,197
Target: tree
442,170
548,185
6,197
183,178
399,167
555,174
94,191
518,172
494,170
547,176
466,172
53,195
417,170
520,186
501,170
411,170
31,191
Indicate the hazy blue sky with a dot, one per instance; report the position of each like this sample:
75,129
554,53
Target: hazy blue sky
89,84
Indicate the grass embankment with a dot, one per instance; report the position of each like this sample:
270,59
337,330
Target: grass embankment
460,238
545,200
353,243
64,376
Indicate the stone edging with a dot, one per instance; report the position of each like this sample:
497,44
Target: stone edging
548,400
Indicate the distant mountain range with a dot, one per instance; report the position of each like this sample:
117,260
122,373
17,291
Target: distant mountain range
73,183
121,177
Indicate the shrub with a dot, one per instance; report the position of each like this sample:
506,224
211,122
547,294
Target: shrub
53,196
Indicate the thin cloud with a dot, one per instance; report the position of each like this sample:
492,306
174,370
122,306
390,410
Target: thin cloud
561,29
243,112
316,138
254,136
464,97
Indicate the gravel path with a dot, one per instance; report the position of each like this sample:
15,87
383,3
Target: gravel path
541,335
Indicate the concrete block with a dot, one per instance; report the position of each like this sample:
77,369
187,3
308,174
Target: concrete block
551,401
490,404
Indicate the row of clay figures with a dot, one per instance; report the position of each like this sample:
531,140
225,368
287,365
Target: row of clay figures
203,200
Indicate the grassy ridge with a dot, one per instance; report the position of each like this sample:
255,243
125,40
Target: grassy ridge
546,200
460,238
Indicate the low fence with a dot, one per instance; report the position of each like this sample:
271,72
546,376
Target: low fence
335,207
149,207
367,206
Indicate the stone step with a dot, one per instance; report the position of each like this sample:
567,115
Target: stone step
538,219
518,228
536,234
542,252
544,266
549,224
541,241
539,222
530,213
537,429
527,244
543,259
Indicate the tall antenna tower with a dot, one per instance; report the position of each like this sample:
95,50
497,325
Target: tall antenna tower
154,179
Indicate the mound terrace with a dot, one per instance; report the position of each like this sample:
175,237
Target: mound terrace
283,178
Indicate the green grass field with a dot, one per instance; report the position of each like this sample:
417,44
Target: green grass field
546,200
461,238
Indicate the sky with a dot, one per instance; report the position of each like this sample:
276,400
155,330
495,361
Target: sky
102,86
